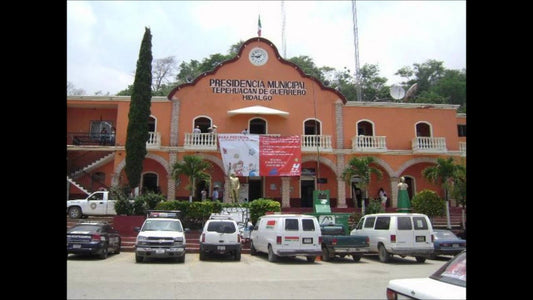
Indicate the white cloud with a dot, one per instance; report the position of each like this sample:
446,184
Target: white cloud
104,37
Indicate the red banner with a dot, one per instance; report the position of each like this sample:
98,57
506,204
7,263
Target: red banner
280,156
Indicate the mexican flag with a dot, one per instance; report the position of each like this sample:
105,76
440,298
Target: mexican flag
259,26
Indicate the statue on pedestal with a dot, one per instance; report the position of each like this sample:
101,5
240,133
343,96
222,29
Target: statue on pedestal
404,205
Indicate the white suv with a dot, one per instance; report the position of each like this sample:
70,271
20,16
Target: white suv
220,235
161,236
403,234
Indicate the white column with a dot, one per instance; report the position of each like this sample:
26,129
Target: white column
394,188
285,192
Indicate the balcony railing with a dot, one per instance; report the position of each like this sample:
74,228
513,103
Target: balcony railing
462,148
154,139
200,141
311,143
107,139
429,144
368,143
90,139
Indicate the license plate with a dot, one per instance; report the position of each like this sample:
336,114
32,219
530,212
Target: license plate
221,248
307,240
76,246
420,238
160,251
455,245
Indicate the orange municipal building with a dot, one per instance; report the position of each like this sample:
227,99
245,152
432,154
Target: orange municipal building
260,91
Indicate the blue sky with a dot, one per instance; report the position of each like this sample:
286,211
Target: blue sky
104,37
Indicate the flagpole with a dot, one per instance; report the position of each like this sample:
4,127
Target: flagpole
259,26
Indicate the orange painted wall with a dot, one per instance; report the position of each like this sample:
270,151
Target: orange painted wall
396,121
200,100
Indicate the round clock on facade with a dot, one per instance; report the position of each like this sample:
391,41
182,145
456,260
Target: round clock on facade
258,56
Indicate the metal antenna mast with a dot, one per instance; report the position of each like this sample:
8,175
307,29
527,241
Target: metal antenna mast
283,42
356,43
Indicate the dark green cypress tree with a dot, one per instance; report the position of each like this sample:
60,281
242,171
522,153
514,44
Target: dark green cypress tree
139,113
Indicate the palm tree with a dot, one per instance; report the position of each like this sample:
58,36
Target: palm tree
195,168
445,172
361,167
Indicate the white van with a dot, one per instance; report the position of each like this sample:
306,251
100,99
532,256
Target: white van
287,235
404,234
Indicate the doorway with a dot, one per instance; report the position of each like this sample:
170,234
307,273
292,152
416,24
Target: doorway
307,188
149,183
255,189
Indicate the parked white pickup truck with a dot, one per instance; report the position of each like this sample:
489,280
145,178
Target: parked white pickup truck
96,204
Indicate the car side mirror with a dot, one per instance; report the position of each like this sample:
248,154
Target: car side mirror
137,229
187,229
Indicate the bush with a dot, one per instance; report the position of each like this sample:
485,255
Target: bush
138,207
374,207
123,207
429,203
260,206
193,214
151,199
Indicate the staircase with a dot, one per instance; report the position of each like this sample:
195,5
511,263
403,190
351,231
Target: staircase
81,188
97,163
440,222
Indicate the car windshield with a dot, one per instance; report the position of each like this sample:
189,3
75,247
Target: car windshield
162,225
91,228
453,272
445,235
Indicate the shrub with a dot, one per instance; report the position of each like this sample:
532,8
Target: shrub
151,199
138,207
260,206
429,203
374,207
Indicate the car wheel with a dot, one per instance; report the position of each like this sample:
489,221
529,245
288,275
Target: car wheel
238,255
420,259
325,253
181,259
253,251
105,252
119,245
384,256
271,256
310,259
202,255
74,212
356,257
138,258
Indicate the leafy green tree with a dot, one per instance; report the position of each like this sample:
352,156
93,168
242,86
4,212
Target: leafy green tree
443,173
372,86
194,168
361,167
435,84
308,66
137,132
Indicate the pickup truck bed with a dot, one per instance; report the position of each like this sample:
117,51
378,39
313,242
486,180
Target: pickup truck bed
335,242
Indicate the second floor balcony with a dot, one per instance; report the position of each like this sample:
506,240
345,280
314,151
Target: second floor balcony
368,143
83,139
422,144
201,141
312,143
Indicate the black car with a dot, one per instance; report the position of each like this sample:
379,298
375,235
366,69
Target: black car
93,239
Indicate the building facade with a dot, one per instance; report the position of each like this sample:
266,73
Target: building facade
261,92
